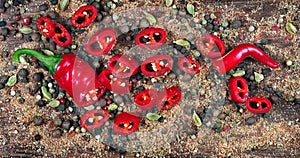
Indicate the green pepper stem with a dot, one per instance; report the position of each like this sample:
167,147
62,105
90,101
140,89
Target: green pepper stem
49,61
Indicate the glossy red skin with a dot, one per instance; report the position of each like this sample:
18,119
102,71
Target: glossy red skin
259,101
150,32
189,65
238,92
100,37
168,98
126,118
91,114
64,34
238,54
211,42
124,61
87,18
157,59
146,99
77,78
46,23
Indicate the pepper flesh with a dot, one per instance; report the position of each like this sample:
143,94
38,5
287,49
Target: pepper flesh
146,99
84,16
238,89
169,98
126,123
157,65
62,36
93,119
151,37
123,66
258,105
46,26
189,65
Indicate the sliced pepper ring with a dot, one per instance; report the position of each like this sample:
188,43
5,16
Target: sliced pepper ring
146,99
151,37
211,46
46,26
84,16
126,123
189,65
258,105
93,119
62,36
123,66
157,65
169,98
238,89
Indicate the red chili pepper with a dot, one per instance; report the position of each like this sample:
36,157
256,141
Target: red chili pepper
151,37
238,89
169,98
123,66
101,42
126,123
157,65
189,65
46,26
84,16
258,105
72,74
211,46
146,99
94,119
238,54
62,36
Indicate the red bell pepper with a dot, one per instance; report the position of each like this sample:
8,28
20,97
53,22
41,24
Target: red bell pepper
151,38
126,123
84,16
168,98
72,74
258,105
238,89
211,46
189,65
157,65
46,26
146,99
101,42
123,66
62,37
94,119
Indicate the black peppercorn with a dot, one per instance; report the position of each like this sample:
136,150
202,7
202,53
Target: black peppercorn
21,100
41,103
38,76
23,72
37,137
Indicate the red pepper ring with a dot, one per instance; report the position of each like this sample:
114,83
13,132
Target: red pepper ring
151,37
84,16
169,98
258,105
101,42
46,26
189,65
238,89
211,46
157,65
146,99
126,123
62,36
123,66
94,119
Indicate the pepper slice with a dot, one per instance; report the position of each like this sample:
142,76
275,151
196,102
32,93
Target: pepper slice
151,37
93,119
46,26
101,42
84,16
189,65
157,65
126,123
211,46
238,89
169,98
146,99
258,105
123,66
62,36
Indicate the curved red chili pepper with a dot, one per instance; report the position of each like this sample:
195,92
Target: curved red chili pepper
211,46
238,54
126,123
101,42
123,66
62,36
151,38
46,26
157,65
238,89
146,99
94,119
189,65
169,98
84,16
258,105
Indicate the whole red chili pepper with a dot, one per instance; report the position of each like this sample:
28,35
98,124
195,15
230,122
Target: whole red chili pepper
46,26
168,98
151,37
211,46
157,65
146,99
258,105
93,119
62,37
72,74
238,89
126,123
84,16
189,65
123,66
